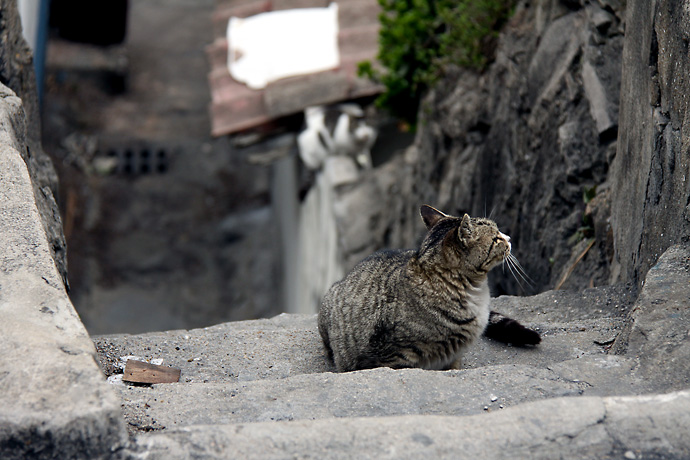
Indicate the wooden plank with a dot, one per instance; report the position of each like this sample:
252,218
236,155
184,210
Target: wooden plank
357,13
141,372
292,95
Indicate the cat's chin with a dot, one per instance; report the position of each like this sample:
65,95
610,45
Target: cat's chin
495,263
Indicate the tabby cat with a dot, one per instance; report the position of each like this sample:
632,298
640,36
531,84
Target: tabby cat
420,308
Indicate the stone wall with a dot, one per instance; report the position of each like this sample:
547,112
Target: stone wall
17,73
651,174
524,140
520,142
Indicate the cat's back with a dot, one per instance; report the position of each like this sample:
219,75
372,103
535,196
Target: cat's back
354,304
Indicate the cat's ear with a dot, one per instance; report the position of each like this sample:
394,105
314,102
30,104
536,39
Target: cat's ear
430,215
465,230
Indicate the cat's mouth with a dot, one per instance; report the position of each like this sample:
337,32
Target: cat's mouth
506,238
499,252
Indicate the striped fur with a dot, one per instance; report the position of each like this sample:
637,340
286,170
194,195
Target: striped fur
416,308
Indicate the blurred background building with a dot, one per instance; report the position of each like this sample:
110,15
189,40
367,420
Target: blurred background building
180,186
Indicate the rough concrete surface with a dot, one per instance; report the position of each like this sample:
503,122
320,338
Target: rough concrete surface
584,428
657,335
572,324
274,348
374,393
267,384
275,370
55,402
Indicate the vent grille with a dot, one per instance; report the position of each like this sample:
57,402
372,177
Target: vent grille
137,161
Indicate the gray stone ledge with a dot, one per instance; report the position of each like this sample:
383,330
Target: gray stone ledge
55,401
372,393
647,427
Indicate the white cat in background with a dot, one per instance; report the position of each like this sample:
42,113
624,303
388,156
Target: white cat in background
335,130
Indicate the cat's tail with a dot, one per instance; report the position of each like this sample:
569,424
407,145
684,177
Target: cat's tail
508,330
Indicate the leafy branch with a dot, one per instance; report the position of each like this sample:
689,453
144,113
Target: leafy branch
419,38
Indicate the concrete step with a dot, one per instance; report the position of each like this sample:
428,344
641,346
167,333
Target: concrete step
572,324
273,348
584,428
263,389
275,369
375,392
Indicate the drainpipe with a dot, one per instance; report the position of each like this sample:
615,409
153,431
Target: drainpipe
34,17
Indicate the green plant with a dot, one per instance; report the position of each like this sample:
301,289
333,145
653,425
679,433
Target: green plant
419,38
586,230
588,193
471,28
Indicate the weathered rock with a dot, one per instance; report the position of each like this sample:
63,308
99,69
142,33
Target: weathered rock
558,47
598,103
521,142
657,334
650,175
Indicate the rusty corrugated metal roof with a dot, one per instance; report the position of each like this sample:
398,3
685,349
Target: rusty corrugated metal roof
235,107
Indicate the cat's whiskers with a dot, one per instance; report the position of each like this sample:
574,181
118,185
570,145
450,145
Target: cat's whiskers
526,277
518,271
512,272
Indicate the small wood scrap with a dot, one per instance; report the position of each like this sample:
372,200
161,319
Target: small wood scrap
141,372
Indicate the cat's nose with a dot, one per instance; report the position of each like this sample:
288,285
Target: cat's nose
505,237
